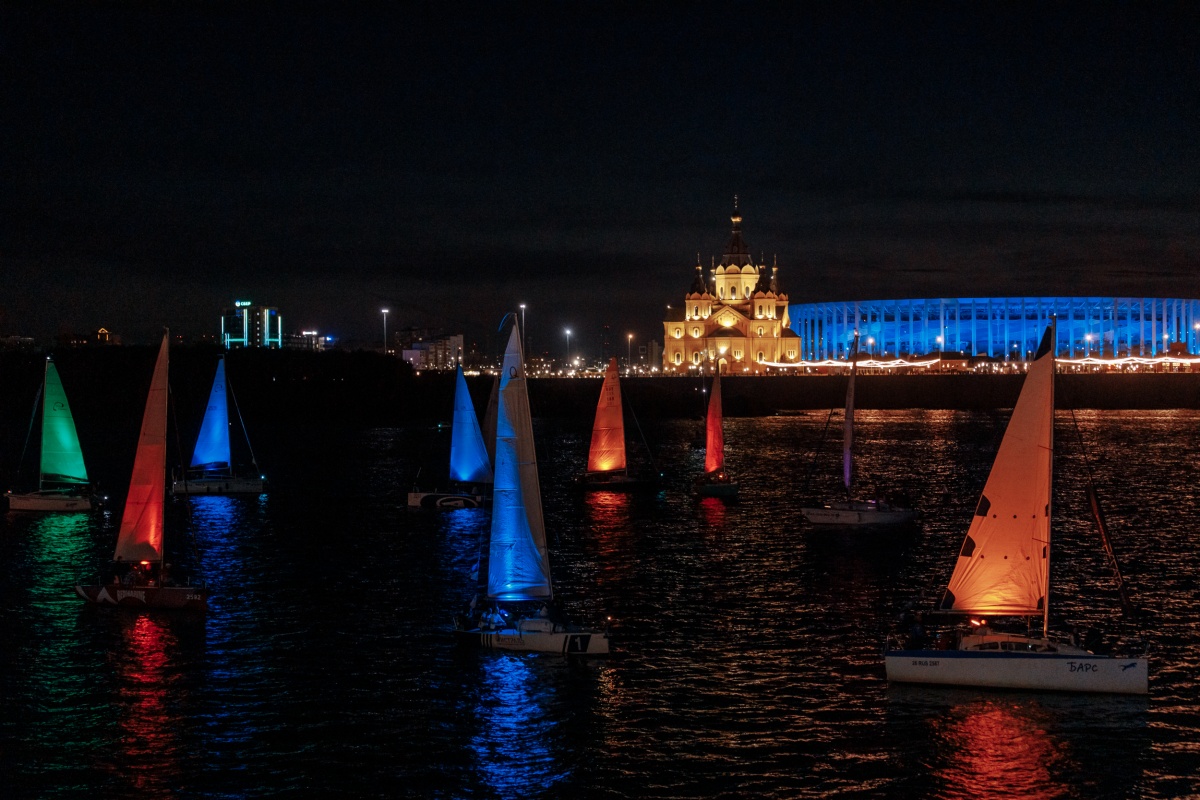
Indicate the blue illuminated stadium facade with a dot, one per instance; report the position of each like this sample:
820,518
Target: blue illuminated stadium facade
999,327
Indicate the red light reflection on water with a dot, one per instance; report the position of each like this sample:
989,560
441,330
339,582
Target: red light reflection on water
995,750
149,739
712,511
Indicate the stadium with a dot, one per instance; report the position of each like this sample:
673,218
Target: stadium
1001,328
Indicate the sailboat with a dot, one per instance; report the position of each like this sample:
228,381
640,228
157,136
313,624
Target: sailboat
852,512
1003,570
211,470
514,612
62,477
470,464
716,481
607,466
138,576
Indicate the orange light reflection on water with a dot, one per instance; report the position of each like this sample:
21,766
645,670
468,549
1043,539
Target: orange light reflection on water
997,749
608,516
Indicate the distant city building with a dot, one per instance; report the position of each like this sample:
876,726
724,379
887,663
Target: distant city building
306,340
1004,328
17,342
104,336
734,319
248,325
438,352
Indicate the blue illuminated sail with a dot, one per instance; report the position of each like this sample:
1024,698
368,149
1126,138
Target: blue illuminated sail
518,561
469,461
212,445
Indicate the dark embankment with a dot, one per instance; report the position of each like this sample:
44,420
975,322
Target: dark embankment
291,396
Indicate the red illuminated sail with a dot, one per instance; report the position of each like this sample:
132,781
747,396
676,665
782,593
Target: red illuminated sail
607,453
141,534
714,439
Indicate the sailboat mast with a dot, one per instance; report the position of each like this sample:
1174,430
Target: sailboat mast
848,435
1050,475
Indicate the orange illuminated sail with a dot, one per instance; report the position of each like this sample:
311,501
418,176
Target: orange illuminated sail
607,453
714,438
1003,567
141,534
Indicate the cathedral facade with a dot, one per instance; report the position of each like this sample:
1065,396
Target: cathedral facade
734,319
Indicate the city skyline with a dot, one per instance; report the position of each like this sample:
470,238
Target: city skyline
451,166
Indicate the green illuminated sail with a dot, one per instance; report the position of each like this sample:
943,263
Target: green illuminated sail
62,458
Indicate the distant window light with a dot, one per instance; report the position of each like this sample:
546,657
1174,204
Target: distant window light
733,293
696,332
761,357
678,358
696,358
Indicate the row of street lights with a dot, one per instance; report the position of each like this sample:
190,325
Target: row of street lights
524,337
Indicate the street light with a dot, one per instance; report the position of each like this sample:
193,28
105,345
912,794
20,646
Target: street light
568,346
385,347
629,352
523,324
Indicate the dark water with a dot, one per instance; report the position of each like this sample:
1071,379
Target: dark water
747,662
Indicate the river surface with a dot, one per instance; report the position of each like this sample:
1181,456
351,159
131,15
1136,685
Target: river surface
747,644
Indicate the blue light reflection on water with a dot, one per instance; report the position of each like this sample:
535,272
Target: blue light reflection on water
512,744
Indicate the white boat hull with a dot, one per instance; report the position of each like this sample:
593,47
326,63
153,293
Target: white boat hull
445,500
185,598
219,486
858,513
1015,670
51,501
540,636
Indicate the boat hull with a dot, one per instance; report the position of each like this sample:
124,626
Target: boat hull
858,514
51,501
706,488
183,598
1014,670
581,643
445,500
623,482
219,486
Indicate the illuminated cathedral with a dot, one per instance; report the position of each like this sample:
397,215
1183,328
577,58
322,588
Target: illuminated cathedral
734,319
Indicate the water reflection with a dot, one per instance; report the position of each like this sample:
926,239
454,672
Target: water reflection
713,511
58,545
996,747
979,744
148,705
511,747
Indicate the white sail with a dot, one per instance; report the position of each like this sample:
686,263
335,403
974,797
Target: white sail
518,561
1003,566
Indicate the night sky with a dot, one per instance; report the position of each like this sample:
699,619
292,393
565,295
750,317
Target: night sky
450,161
